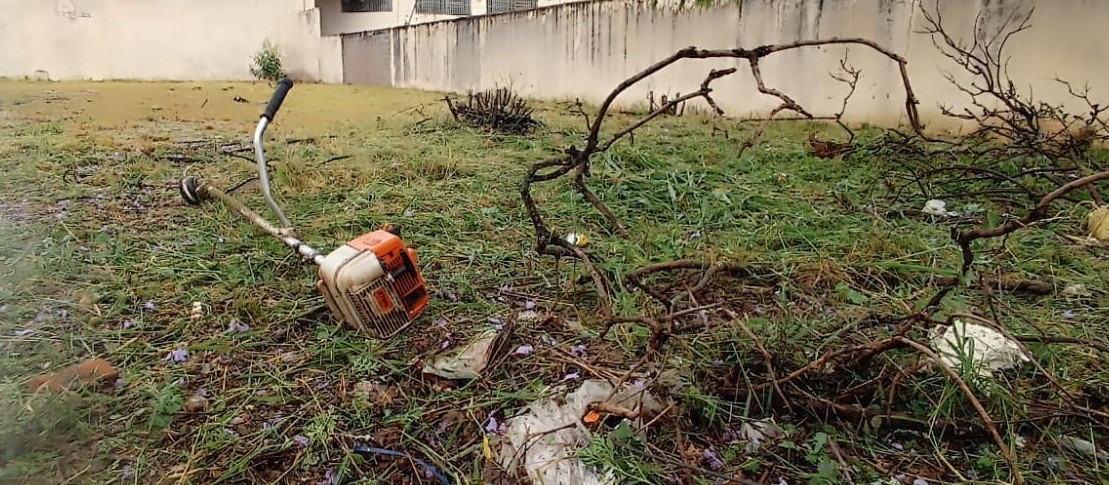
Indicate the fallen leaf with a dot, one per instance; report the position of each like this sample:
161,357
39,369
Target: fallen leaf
85,373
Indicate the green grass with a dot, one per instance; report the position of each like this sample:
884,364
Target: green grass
87,267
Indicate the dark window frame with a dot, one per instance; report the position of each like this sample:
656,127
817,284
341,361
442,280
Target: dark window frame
349,6
444,7
505,6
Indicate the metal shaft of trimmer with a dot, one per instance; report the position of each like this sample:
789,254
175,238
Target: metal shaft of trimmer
208,191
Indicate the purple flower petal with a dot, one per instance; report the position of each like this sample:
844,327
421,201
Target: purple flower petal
178,355
639,384
128,323
120,383
897,446
695,235
301,440
578,350
529,305
329,477
150,306
524,350
491,425
920,481
441,323
444,345
573,376
127,474
718,362
714,461
1069,314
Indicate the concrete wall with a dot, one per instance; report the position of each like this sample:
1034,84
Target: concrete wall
162,39
585,49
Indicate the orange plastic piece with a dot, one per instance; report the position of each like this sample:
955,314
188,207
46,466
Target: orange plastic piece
591,417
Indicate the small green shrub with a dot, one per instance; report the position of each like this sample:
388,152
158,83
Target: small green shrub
267,64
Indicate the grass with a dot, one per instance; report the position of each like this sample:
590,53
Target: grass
101,259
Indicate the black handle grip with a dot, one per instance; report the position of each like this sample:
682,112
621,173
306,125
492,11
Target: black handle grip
283,87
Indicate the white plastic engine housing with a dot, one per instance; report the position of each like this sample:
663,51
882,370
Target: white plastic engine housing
359,291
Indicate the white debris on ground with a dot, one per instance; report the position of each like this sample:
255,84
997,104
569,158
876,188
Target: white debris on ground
578,240
987,349
1077,290
937,207
466,362
1085,447
544,437
756,432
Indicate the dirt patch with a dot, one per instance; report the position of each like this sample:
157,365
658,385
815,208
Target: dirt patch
16,213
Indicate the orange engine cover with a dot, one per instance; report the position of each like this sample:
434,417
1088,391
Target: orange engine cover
400,262
373,283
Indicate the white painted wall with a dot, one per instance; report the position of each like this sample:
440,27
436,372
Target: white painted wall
335,21
162,39
585,49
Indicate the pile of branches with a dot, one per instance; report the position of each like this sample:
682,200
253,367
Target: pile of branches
1020,148
500,110
1024,155
1014,126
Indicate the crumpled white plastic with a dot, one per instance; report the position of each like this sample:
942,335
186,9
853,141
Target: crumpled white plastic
547,455
937,207
987,349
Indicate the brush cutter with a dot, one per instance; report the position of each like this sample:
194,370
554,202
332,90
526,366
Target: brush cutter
372,283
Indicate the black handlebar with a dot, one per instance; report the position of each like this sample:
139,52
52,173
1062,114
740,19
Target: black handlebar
283,87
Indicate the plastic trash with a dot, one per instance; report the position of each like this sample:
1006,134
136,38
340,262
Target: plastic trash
987,349
544,437
579,240
465,362
937,207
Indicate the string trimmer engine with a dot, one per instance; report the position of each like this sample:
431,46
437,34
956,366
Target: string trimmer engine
372,283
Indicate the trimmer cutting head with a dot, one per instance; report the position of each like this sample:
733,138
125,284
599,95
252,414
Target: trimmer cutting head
372,283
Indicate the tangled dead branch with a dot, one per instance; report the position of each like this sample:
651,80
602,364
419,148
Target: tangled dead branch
1021,148
577,161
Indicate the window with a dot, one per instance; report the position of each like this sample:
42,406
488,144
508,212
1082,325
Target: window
449,7
367,5
502,6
